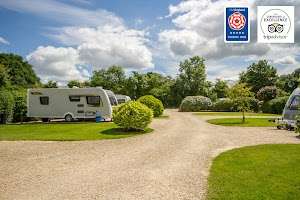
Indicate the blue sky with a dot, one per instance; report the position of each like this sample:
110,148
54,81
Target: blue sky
68,39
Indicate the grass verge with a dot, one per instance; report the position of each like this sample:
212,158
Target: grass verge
234,114
257,172
65,132
250,122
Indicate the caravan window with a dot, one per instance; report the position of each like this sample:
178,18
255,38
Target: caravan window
44,100
295,103
93,100
112,100
74,98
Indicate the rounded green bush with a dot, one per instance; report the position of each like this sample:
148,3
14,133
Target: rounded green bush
275,106
224,105
195,104
152,103
133,115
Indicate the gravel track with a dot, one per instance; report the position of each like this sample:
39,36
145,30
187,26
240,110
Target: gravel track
170,163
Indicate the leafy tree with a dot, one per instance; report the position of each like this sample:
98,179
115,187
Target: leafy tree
221,88
241,96
19,72
74,83
6,105
3,76
259,75
289,82
191,80
113,79
50,84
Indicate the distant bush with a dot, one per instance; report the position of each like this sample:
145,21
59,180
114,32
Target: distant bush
267,93
152,103
6,104
275,106
195,104
254,104
223,105
133,115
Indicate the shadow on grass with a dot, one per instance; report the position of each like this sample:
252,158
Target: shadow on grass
121,131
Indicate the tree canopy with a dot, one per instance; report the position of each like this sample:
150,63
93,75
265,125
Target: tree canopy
259,75
17,72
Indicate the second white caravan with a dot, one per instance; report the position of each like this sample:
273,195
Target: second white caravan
68,103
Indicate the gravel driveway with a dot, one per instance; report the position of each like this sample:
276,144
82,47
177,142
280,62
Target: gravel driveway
170,163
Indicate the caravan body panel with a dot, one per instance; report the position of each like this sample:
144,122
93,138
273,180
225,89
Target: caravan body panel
58,102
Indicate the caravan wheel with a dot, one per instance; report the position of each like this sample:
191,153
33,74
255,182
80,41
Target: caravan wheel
68,118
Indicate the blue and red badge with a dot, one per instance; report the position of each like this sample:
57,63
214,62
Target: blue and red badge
237,25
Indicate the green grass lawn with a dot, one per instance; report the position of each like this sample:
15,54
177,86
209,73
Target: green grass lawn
65,131
234,114
250,122
257,172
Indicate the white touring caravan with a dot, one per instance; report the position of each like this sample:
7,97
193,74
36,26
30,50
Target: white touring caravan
112,97
68,103
291,110
122,98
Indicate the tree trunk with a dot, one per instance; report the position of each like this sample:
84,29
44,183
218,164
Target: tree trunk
243,116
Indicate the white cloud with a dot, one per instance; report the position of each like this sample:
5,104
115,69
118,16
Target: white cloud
198,30
4,41
59,64
108,45
288,60
95,38
62,12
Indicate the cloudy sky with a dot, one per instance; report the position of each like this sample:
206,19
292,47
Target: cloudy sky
68,39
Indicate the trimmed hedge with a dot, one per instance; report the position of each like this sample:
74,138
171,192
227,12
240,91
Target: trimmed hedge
152,103
224,105
195,104
133,115
275,106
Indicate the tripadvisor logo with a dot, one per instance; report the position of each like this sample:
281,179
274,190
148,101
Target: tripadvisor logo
275,24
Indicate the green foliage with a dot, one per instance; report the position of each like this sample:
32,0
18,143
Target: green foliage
6,104
275,106
191,80
74,83
259,75
297,129
112,78
221,88
3,76
224,105
133,115
20,107
289,82
241,95
50,84
267,93
17,71
195,104
153,103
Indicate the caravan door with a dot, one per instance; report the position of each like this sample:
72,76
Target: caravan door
78,102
